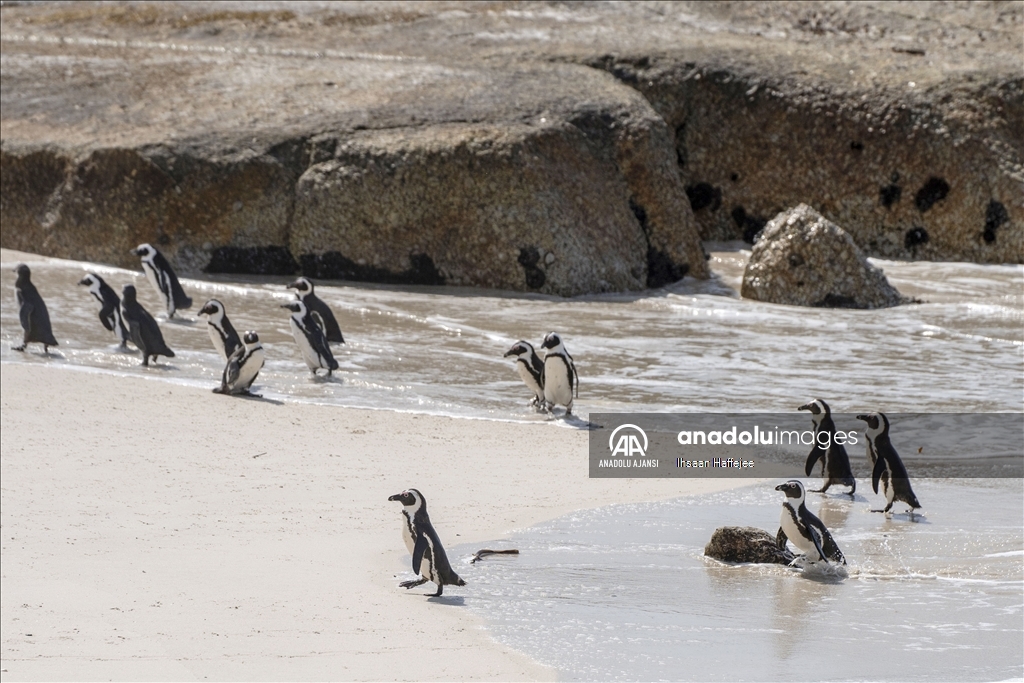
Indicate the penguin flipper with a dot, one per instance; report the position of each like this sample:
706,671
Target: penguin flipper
25,316
107,317
832,550
876,473
418,552
781,539
576,377
816,454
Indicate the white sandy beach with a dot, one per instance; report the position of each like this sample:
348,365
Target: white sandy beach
152,531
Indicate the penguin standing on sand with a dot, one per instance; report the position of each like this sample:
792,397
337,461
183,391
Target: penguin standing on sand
32,313
222,332
559,379
162,277
835,466
304,290
886,465
531,370
243,366
428,557
110,306
807,532
142,328
307,328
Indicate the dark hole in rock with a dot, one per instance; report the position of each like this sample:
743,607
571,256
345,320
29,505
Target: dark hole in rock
703,195
889,195
528,259
995,215
252,261
857,146
734,177
895,177
837,301
163,239
796,260
914,237
662,270
332,265
640,213
750,225
934,190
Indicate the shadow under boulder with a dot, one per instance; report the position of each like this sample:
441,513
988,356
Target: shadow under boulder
804,259
746,544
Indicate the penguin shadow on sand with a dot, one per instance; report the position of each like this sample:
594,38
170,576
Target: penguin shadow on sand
251,396
573,421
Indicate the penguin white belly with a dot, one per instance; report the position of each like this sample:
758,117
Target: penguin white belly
311,357
407,534
795,536
218,341
556,381
427,567
528,379
888,488
247,373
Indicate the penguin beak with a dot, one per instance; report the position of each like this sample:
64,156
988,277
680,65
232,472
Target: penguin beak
781,487
806,406
510,352
83,281
133,251
863,418
397,496
288,306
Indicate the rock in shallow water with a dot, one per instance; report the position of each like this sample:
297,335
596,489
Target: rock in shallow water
746,544
804,259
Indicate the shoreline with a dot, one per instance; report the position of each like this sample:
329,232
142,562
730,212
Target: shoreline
182,534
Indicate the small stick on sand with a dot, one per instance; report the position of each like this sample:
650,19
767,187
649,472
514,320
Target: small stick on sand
480,554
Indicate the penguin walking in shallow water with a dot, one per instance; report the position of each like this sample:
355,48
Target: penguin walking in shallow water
806,531
142,328
530,368
161,276
243,366
222,332
304,290
559,379
428,557
307,328
110,306
32,313
886,465
835,466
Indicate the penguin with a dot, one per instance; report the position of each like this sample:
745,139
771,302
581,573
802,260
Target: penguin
307,328
428,557
243,366
161,276
144,331
222,332
110,306
559,377
807,532
35,319
304,290
886,465
835,462
531,369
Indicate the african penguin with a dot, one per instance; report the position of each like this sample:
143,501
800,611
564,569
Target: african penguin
222,332
559,377
886,465
307,328
835,466
807,532
142,328
110,306
32,313
161,276
428,557
304,290
531,369
243,366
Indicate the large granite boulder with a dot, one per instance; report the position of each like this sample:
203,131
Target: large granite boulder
746,544
803,259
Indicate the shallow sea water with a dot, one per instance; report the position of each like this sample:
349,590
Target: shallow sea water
623,592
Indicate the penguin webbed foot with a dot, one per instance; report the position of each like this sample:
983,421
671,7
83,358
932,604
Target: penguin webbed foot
412,583
18,348
440,589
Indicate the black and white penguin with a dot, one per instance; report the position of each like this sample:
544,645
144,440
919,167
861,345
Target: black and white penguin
32,313
243,366
142,328
559,379
428,557
807,532
222,332
304,290
161,276
110,306
307,328
835,466
531,369
886,465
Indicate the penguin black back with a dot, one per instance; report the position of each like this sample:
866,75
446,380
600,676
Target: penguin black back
163,278
835,461
144,331
110,306
304,290
888,468
429,559
32,313
800,525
